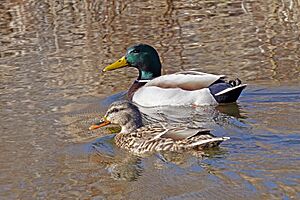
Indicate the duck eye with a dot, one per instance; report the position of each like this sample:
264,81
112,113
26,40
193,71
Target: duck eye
135,51
115,110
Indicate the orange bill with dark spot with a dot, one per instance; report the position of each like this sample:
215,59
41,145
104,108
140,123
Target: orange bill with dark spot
103,122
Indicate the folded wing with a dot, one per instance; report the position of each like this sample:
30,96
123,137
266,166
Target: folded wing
186,80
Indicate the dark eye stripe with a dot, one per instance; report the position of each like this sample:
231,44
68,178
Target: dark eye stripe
115,110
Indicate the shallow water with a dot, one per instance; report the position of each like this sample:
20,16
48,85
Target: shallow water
51,90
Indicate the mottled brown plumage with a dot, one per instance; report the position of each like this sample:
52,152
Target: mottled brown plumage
155,137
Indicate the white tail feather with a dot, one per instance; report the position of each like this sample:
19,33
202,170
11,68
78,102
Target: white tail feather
208,141
230,89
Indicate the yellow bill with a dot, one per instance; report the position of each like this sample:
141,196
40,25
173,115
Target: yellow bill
116,65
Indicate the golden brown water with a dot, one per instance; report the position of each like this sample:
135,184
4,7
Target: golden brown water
51,89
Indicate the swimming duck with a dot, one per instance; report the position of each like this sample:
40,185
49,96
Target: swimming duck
182,88
137,138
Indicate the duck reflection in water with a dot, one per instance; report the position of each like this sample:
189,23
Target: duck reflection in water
123,166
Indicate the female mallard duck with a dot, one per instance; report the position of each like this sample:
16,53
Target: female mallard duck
155,137
182,88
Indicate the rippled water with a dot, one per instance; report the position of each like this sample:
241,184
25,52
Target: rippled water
51,90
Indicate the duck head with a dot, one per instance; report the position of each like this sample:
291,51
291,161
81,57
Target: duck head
143,57
123,113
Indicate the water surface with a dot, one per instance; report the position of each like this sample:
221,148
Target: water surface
51,89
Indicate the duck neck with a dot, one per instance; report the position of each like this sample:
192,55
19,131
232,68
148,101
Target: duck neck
151,71
131,125
145,75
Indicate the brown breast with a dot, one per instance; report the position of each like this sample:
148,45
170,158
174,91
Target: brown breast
134,87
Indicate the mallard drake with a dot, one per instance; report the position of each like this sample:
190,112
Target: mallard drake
182,88
137,138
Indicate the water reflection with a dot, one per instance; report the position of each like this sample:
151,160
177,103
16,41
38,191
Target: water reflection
202,116
125,166
120,165
51,54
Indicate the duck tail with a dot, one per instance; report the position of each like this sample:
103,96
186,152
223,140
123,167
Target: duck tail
208,143
227,92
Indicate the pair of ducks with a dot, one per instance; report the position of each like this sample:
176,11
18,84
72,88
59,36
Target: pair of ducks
151,89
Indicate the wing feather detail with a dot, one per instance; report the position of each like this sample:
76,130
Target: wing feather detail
186,80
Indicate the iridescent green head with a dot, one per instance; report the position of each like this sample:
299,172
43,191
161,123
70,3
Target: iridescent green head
141,56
